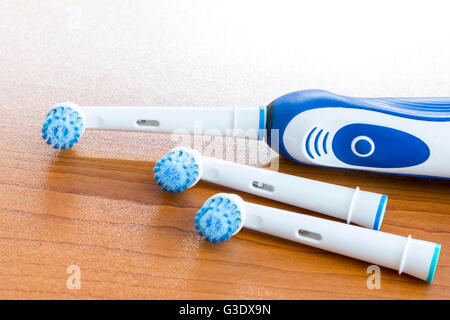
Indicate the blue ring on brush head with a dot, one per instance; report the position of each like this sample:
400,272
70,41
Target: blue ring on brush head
178,170
380,212
220,217
63,126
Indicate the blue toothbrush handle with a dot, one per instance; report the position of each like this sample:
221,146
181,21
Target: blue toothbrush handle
390,135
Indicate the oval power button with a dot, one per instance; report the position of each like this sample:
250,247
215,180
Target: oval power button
363,146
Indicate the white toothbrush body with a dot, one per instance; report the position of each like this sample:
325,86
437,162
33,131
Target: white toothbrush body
348,127
389,135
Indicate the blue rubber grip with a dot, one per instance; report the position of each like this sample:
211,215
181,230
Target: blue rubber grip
282,110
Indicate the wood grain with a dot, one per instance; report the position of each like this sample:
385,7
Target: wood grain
132,240
98,207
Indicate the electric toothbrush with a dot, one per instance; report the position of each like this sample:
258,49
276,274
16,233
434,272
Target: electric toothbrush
316,127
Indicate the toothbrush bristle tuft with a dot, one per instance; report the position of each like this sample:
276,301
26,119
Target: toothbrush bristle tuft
218,219
62,127
176,171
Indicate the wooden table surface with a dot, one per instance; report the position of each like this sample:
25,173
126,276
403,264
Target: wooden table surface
97,206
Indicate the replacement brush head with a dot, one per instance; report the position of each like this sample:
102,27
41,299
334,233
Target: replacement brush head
63,126
179,169
220,217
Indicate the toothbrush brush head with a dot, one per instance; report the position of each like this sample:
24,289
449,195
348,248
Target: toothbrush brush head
220,217
63,126
178,170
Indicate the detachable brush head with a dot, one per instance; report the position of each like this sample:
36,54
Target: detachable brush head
63,126
179,169
220,217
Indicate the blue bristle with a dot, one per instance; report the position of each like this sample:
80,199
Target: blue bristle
176,171
62,127
218,219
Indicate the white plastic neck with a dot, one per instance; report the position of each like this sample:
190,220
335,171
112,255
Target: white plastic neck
227,121
357,206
